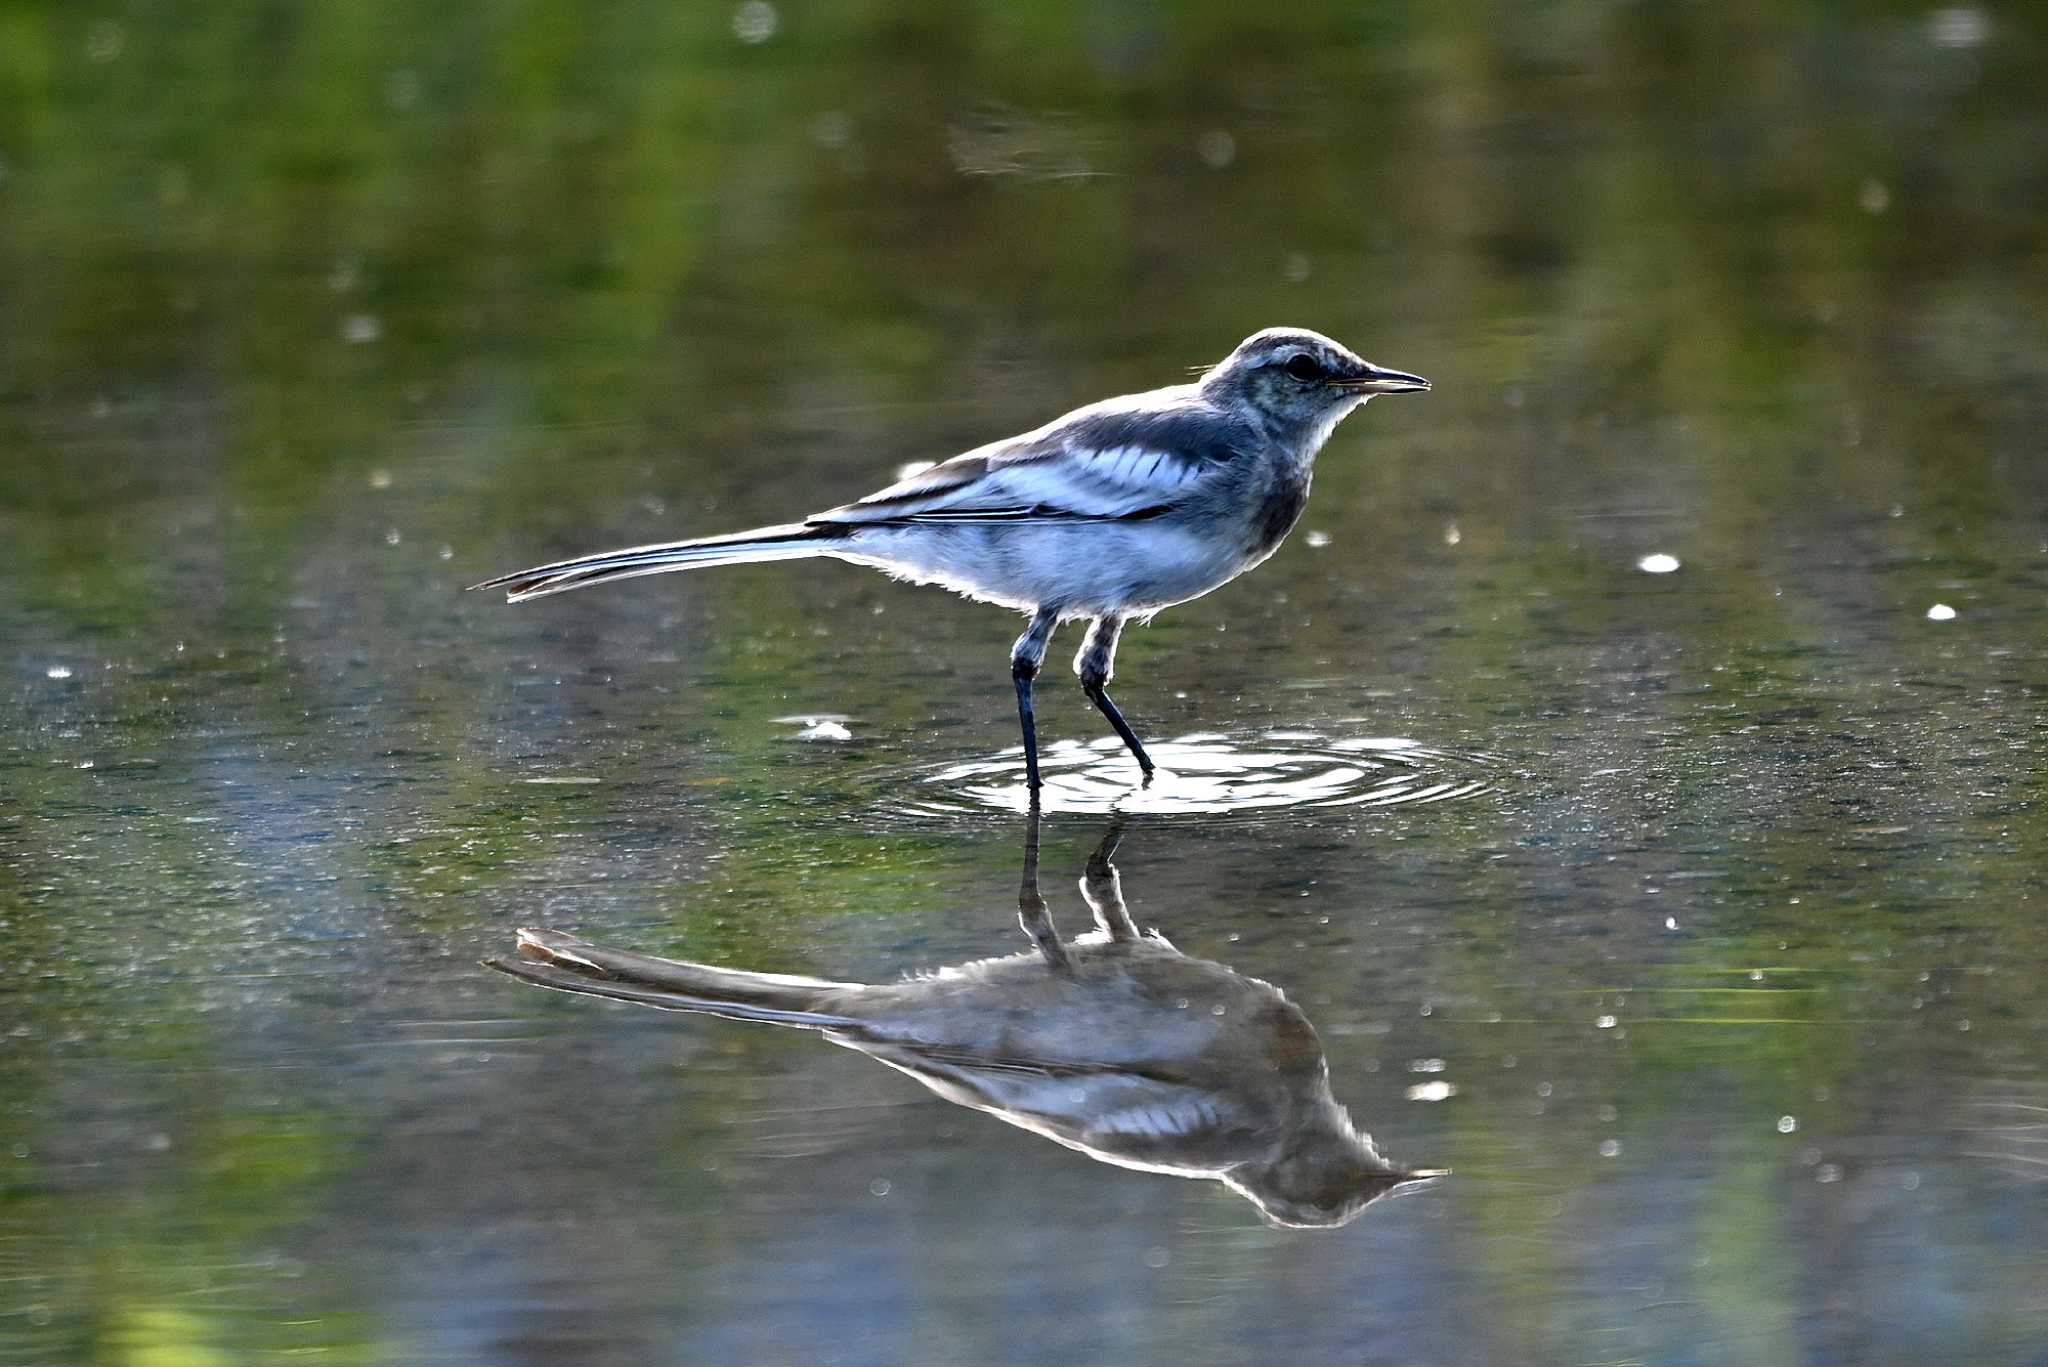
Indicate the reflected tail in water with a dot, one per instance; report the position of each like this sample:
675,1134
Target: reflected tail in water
549,958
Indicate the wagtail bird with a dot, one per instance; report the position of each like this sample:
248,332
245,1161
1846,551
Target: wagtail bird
1110,513
1112,1042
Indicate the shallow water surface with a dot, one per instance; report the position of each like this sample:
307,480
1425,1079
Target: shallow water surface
1630,769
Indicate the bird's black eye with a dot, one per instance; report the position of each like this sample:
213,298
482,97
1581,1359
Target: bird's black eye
1304,367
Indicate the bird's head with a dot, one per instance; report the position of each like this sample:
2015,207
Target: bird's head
1297,379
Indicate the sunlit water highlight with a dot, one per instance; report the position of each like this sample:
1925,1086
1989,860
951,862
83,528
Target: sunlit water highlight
1210,774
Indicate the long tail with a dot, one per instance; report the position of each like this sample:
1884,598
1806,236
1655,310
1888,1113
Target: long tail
568,964
794,541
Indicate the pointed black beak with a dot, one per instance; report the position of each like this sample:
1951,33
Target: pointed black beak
1379,380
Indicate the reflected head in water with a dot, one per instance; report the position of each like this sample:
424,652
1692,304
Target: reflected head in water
1111,1042
1108,514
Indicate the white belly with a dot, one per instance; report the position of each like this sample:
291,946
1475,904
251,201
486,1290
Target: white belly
1084,568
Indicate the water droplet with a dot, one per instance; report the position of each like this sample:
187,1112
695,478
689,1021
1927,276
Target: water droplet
360,329
58,671
1941,612
1432,1091
832,130
1216,148
402,88
1958,26
104,41
1872,197
1452,536
1318,540
380,479
1658,563
755,22
1605,1022
1425,1065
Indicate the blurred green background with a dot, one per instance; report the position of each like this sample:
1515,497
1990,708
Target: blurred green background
311,314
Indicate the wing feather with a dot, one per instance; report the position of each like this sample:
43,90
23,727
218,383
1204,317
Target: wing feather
1131,458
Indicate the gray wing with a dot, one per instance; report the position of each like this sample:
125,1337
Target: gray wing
1129,458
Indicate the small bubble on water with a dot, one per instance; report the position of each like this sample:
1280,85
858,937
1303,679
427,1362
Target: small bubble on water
1432,1091
1828,1172
833,130
1317,540
1873,196
755,22
1658,563
1610,1148
1296,266
1787,1124
402,88
104,41
1941,612
1157,1258
1425,1065
1452,536
879,1187
58,671
361,329
392,537
1605,1022
1216,148
1958,26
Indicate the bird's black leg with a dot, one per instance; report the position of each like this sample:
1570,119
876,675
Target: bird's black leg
1025,658
1095,664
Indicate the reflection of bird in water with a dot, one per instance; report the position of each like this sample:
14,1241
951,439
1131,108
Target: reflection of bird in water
1113,1042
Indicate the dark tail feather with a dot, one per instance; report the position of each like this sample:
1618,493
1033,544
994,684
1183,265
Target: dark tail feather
568,964
794,541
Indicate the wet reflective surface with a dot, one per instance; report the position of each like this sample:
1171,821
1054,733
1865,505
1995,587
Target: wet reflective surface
1631,765
1211,775
1113,1043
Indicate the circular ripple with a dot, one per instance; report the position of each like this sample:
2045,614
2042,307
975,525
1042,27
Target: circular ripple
1210,774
